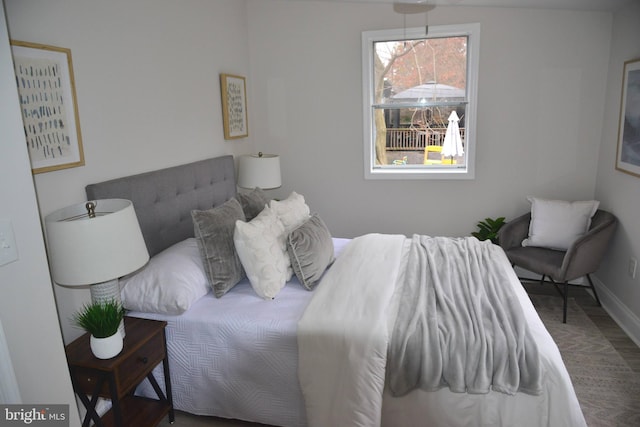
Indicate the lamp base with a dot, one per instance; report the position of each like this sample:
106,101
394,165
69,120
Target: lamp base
105,292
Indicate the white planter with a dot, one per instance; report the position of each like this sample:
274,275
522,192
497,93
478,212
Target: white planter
106,348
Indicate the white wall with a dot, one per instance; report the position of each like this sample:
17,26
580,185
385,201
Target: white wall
148,94
541,84
549,96
27,309
619,191
148,89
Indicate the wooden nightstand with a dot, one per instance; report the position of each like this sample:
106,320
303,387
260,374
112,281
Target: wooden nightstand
116,379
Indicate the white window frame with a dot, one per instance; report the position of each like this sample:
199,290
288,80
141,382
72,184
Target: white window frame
467,171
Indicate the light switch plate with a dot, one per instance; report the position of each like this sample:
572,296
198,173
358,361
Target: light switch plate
633,263
8,249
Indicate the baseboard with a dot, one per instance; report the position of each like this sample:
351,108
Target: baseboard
619,312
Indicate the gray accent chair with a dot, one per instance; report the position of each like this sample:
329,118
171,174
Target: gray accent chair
581,259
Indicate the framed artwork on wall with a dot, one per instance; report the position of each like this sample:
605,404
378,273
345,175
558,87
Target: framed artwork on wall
628,152
234,106
46,89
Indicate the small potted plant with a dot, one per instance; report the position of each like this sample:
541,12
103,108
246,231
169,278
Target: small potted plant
102,320
488,229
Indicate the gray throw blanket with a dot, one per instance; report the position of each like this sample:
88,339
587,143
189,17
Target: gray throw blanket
459,323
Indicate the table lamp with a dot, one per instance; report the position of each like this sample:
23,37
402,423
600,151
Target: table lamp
95,243
259,171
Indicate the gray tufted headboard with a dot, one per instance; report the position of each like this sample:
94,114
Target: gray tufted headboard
163,199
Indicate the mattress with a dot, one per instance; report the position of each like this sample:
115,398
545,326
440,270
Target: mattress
237,356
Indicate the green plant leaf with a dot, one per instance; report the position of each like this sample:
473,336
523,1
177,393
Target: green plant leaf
100,319
488,229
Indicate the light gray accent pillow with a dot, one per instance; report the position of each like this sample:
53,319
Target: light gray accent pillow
310,249
252,202
556,224
214,230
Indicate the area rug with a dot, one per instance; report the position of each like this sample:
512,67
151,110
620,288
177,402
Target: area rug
607,388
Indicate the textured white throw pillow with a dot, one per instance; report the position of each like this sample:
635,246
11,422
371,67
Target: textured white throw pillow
556,224
171,281
292,211
262,249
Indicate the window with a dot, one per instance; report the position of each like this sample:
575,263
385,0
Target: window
417,88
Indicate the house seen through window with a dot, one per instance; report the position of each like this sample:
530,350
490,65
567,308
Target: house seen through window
419,102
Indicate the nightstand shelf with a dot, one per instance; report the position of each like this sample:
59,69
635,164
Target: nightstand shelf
117,378
138,411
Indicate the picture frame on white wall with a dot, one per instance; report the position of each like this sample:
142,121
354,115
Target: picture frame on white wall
234,106
47,94
628,151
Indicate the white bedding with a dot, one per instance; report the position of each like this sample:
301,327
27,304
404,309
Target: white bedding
237,357
345,386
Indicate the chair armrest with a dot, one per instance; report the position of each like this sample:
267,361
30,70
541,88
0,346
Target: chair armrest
585,254
514,232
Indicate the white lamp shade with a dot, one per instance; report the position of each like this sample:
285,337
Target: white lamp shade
85,251
259,170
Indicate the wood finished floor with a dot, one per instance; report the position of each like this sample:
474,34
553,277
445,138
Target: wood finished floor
629,351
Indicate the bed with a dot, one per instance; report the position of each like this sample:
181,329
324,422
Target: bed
318,353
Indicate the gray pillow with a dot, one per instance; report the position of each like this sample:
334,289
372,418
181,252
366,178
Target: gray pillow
252,202
310,249
213,230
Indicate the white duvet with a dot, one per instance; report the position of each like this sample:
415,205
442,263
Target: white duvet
342,336
351,314
237,357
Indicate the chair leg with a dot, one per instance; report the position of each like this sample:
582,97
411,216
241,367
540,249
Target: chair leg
566,299
565,296
542,279
593,288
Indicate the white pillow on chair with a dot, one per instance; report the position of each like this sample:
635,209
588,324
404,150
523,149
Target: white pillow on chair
556,224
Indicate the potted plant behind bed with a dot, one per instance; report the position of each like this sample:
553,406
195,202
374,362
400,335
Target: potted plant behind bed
488,229
102,321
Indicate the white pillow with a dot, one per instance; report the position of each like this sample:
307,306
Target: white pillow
292,211
262,249
556,224
169,283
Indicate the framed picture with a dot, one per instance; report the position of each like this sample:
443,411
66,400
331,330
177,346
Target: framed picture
234,106
47,93
628,153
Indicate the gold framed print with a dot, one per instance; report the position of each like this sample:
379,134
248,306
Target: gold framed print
46,89
234,106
